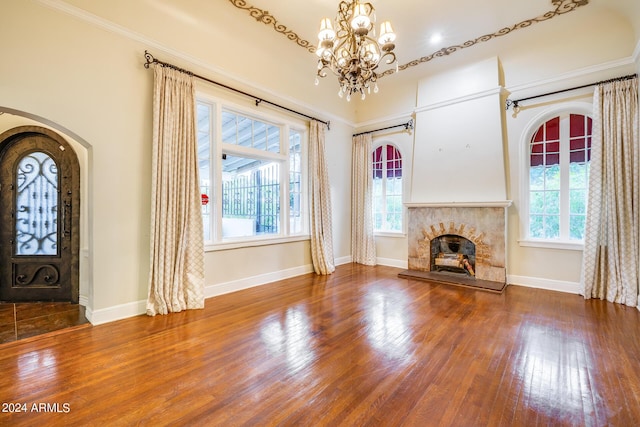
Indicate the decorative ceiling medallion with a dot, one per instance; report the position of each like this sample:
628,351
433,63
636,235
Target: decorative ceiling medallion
561,7
266,18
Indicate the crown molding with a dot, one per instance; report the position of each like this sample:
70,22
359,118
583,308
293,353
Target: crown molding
488,204
579,74
452,101
105,24
381,121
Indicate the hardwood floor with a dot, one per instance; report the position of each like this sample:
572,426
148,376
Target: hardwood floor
359,347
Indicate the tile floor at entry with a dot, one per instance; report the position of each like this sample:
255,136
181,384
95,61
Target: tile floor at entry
24,320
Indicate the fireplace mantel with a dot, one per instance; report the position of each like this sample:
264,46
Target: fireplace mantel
494,204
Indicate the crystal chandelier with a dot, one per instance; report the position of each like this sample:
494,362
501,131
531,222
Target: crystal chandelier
351,51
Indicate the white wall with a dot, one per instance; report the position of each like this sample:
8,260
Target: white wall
87,80
587,48
458,141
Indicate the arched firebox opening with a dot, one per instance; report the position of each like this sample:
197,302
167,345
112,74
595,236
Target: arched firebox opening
454,254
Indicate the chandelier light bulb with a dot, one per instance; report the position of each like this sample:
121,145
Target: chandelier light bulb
326,30
375,88
371,53
360,20
386,33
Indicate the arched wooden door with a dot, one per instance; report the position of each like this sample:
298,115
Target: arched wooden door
39,216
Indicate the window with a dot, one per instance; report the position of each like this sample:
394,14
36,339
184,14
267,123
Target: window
249,168
559,155
387,189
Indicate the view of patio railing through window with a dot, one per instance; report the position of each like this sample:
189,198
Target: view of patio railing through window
250,197
254,163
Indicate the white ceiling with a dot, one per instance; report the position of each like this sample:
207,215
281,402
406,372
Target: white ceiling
416,21
239,39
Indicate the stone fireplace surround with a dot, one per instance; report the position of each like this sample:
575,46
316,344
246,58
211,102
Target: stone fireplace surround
483,223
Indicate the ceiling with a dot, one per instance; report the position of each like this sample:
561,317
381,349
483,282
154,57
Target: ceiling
270,44
463,26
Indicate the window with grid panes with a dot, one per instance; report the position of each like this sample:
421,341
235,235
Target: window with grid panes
255,180
559,155
387,189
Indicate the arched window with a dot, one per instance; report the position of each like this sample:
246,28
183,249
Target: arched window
387,189
559,155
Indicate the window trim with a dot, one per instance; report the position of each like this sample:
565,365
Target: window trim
218,147
403,231
528,131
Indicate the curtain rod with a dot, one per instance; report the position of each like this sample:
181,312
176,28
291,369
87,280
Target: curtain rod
509,102
406,126
150,60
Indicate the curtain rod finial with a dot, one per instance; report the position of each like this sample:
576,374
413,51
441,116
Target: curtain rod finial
150,59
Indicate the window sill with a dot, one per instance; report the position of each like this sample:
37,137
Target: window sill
396,234
553,244
252,242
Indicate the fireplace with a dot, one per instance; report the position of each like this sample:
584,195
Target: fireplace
453,253
458,242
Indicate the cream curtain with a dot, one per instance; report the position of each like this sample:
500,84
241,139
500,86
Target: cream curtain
363,244
611,258
176,279
320,194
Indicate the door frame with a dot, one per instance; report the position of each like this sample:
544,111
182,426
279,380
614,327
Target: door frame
10,136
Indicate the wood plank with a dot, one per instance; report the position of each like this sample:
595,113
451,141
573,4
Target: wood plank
359,347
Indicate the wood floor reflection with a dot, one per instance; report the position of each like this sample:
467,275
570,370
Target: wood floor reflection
19,321
358,347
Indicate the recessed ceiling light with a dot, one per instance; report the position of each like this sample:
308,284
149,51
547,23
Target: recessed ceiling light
435,38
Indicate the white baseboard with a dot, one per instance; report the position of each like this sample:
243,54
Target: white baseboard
390,262
552,285
343,260
137,308
83,300
250,282
117,312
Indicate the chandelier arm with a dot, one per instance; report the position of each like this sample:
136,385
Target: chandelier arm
322,73
390,60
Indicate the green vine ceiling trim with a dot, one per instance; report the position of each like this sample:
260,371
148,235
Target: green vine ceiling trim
561,7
